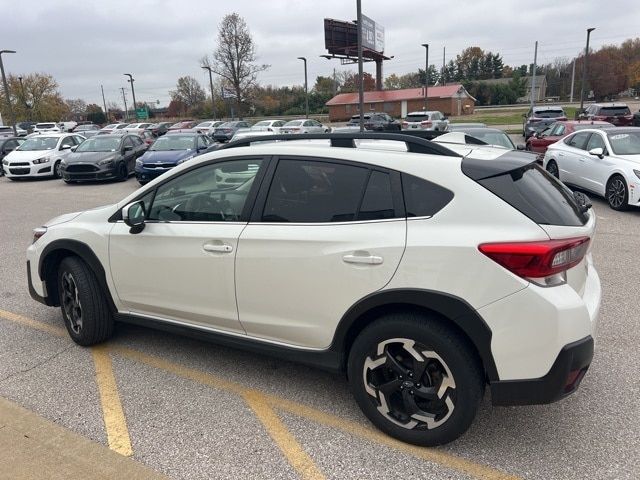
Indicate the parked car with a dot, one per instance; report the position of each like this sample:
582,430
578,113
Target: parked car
147,137
541,140
381,122
87,130
268,126
618,114
452,127
46,127
227,130
183,125
40,155
168,151
605,162
136,127
303,125
427,120
247,246
7,132
636,119
354,121
103,157
27,126
112,127
491,136
67,126
207,127
539,118
159,129
8,145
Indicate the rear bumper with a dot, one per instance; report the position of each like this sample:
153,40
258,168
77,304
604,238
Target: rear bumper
563,379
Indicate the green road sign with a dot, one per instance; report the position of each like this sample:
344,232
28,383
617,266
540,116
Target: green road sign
142,113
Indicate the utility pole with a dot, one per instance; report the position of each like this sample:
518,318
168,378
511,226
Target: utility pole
213,102
533,77
360,73
12,117
124,98
444,80
335,83
104,102
584,69
573,79
133,92
426,76
306,90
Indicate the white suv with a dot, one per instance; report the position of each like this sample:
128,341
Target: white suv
423,274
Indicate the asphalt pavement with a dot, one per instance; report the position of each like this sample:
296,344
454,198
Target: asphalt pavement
195,410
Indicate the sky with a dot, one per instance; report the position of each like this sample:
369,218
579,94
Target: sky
85,44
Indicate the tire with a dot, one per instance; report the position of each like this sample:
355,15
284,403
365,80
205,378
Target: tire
56,170
456,380
123,174
83,303
617,193
552,168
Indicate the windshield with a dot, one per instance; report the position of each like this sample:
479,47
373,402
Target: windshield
494,138
293,123
38,143
99,144
614,111
548,113
204,125
173,142
45,125
627,143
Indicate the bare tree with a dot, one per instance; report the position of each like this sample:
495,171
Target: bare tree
234,57
188,92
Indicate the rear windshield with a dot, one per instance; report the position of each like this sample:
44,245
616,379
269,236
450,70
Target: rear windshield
538,195
45,125
416,118
548,113
614,111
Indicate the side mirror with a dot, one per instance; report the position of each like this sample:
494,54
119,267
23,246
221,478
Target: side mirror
134,216
73,149
520,146
598,152
65,147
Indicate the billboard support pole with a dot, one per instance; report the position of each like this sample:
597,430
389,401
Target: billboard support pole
360,73
378,74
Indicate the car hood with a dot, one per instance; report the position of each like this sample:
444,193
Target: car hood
89,157
171,156
631,158
25,156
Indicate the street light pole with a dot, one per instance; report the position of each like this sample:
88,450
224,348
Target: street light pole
6,92
306,90
213,102
584,69
426,75
133,93
360,72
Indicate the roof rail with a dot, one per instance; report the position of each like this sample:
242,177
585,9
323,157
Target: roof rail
346,140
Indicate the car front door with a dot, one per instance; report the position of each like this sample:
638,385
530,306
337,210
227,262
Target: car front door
310,252
181,266
569,157
594,171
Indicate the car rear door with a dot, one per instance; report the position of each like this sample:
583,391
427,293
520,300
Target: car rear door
323,235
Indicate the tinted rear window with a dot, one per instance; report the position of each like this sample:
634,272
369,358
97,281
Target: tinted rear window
613,111
538,195
548,113
417,118
423,198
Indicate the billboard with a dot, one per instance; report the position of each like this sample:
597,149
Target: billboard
341,37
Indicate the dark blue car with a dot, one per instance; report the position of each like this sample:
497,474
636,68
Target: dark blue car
168,151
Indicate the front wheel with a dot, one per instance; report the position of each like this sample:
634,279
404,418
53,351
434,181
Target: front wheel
415,379
123,173
617,193
56,170
552,168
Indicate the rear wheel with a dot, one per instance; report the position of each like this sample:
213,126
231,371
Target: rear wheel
552,168
415,379
83,303
617,193
123,174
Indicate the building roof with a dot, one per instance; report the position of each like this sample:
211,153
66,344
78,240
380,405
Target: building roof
378,96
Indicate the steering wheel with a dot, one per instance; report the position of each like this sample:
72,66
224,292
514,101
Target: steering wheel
200,205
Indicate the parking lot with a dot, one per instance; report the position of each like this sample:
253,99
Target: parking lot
189,409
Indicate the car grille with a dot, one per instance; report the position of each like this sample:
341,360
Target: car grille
20,164
81,168
159,165
19,171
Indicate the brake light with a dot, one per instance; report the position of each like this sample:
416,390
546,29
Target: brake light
405,124
600,118
538,260
425,123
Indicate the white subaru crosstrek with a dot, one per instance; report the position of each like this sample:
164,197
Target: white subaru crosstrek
40,155
424,274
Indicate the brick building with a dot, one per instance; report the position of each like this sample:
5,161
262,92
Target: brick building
449,99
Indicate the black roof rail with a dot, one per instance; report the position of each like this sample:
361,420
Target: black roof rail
431,134
346,140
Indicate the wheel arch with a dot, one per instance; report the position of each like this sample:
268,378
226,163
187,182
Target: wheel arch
452,310
53,254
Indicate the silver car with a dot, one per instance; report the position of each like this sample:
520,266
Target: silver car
268,126
308,125
426,120
207,127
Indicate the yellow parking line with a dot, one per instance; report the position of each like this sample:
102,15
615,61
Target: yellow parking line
115,422
35,324
287,443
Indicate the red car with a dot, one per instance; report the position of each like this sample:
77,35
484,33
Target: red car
617,113
540,141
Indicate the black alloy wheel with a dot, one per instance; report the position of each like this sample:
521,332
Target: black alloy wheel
617,193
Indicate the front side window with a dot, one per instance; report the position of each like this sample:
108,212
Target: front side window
305,191
67,142
557,131
579,140
596,141
212,193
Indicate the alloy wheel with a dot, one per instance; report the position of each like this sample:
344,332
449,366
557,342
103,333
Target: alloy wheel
411,385
71,302
552,168
616,192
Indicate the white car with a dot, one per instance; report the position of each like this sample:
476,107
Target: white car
268,126
605,162
304,126
6,132
136,128
424,274
208,127
426,120
46,127
40,155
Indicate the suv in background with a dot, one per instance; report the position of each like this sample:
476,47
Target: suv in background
618,114
362,260
539,118
426,120
381,122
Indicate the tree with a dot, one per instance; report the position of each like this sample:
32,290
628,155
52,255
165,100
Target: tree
188,92
634,75
95,114
325,85
351,83
37,99
234,56
77,108
176,109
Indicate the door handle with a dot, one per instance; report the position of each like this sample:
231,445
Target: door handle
363,259
217,247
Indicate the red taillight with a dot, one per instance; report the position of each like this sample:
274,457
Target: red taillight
425,123
561,119
405,124
537,259
600,118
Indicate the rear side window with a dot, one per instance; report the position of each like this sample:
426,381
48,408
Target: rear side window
377,203
305,191
538,195
423,198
